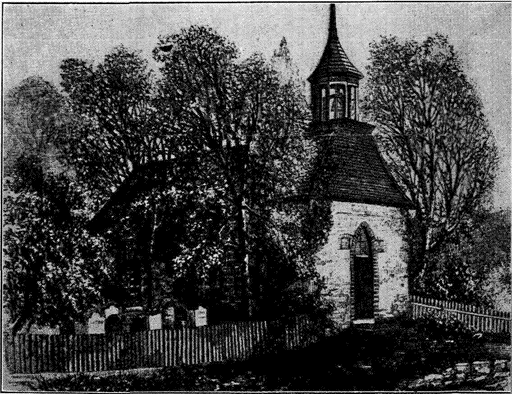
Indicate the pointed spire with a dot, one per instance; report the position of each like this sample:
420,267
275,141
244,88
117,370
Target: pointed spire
334,60
333,31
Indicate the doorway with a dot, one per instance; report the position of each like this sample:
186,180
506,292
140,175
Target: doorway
363,275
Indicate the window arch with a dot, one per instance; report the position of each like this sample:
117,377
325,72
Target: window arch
362,244
363,240
337,101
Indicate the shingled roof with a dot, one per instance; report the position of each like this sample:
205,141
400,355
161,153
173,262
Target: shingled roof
140,180
352,168
334,60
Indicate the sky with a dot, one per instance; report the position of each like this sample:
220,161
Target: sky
37,37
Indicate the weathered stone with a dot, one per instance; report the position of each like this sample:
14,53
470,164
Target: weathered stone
460,376
500,365
482,367
433,376
501,374
416,383
387,228
448,372
497,385
462,367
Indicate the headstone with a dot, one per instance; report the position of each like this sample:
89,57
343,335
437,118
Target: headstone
200,317
96,324
111,310
155,322
169,316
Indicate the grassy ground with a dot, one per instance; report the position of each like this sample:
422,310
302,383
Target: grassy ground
351,360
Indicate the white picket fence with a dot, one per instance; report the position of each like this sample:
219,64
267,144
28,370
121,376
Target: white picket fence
480,319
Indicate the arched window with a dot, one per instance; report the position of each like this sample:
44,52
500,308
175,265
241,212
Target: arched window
337,101
362,243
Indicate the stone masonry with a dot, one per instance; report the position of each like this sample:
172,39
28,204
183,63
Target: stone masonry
386,228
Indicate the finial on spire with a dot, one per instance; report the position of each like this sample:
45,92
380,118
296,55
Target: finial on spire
333,32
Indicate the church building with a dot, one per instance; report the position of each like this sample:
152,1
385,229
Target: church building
364,260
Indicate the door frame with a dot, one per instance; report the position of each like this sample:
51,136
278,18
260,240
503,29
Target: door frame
373,248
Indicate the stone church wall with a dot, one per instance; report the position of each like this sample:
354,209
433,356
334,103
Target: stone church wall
386,226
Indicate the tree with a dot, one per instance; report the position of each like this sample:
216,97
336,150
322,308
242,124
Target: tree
115,132
246,127
434,137
54,270
33,113
231,133
114,129
474,264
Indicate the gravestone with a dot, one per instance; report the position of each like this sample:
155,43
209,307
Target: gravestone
96,324
169,316
200,317
155,322
111,310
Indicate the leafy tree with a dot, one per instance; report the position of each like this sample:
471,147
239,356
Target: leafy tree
246,127
474,264
231,133
114,129
433,135
54,270
33,113
115,132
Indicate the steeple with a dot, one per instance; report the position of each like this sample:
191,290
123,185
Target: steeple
335,81
333,31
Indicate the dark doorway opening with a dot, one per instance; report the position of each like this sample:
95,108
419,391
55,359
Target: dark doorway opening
363,275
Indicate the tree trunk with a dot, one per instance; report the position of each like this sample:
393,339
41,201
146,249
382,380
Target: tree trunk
243,256
150,258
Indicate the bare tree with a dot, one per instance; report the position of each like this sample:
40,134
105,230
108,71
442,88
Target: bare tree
433,134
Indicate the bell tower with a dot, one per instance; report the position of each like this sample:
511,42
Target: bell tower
335,81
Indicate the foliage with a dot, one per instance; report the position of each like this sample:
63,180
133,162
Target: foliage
474,267
113,128
54,270
246,125
33,112
434,137
211,227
